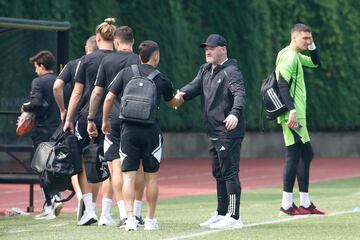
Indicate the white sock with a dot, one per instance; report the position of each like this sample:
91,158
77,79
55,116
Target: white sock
106,206
304,199
122,209
79,195
137,208
94,205
87,197
48,209
287,200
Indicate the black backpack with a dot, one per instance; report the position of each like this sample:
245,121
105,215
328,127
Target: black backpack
270,97
138,102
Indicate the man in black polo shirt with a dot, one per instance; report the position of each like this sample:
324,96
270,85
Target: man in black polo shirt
84,83
65,81
140,141
62,92
109,67
46,119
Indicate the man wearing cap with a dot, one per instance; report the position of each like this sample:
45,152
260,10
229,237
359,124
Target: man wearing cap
220,85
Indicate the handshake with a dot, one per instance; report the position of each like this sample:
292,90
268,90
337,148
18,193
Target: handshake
178,99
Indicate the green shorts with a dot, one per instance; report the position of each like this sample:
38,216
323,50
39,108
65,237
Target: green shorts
290,135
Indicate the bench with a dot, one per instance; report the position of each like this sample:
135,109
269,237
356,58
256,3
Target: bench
27,177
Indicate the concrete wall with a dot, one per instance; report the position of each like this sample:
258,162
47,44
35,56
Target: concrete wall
342,144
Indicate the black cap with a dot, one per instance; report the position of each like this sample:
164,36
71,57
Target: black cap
214,40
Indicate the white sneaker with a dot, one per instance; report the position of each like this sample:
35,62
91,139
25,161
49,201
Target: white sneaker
46,214
106,220
88,218
131,225
213,219
80,209
151,224
227,222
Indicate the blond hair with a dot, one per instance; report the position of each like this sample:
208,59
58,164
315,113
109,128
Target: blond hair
106,29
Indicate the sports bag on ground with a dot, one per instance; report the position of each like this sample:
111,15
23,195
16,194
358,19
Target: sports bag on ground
95,167
138,103
271,100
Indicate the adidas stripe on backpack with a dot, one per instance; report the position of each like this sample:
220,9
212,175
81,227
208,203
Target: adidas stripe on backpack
271,100
270,96
138,102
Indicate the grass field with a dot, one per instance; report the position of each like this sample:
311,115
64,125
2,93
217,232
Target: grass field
179,219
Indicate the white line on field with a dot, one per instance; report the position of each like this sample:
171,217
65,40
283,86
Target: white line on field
20,231
294,218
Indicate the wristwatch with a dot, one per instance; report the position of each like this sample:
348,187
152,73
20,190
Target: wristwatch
90,119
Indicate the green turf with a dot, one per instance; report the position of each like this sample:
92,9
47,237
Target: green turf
180,217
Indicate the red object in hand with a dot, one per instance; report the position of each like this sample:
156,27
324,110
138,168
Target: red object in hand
25,123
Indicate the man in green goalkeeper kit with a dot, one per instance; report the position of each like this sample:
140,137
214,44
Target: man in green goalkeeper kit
290,75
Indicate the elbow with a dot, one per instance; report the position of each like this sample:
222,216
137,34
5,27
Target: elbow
58,85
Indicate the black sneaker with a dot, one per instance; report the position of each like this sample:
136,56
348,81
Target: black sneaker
140,221
122,223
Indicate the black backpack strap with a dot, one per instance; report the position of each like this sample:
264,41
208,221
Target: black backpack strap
153,74
135,69
58,133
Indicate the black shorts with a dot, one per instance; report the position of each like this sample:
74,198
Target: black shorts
112,143
83,136
111,148
141,145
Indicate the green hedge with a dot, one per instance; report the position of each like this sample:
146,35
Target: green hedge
255,29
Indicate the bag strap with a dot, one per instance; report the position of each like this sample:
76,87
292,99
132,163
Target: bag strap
58,132
72,194
135,70
153,74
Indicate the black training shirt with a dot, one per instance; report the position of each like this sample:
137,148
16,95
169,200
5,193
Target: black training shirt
86,74
67,75
42,92
109,67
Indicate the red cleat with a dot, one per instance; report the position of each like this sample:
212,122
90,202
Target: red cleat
310,210
293,210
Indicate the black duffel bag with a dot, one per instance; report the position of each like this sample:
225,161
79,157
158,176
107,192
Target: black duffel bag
58,160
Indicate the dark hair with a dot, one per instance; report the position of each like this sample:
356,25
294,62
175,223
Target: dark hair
106,29
46,58
124,34
146,50
300,27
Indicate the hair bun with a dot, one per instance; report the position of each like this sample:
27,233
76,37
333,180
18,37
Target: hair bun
110,20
